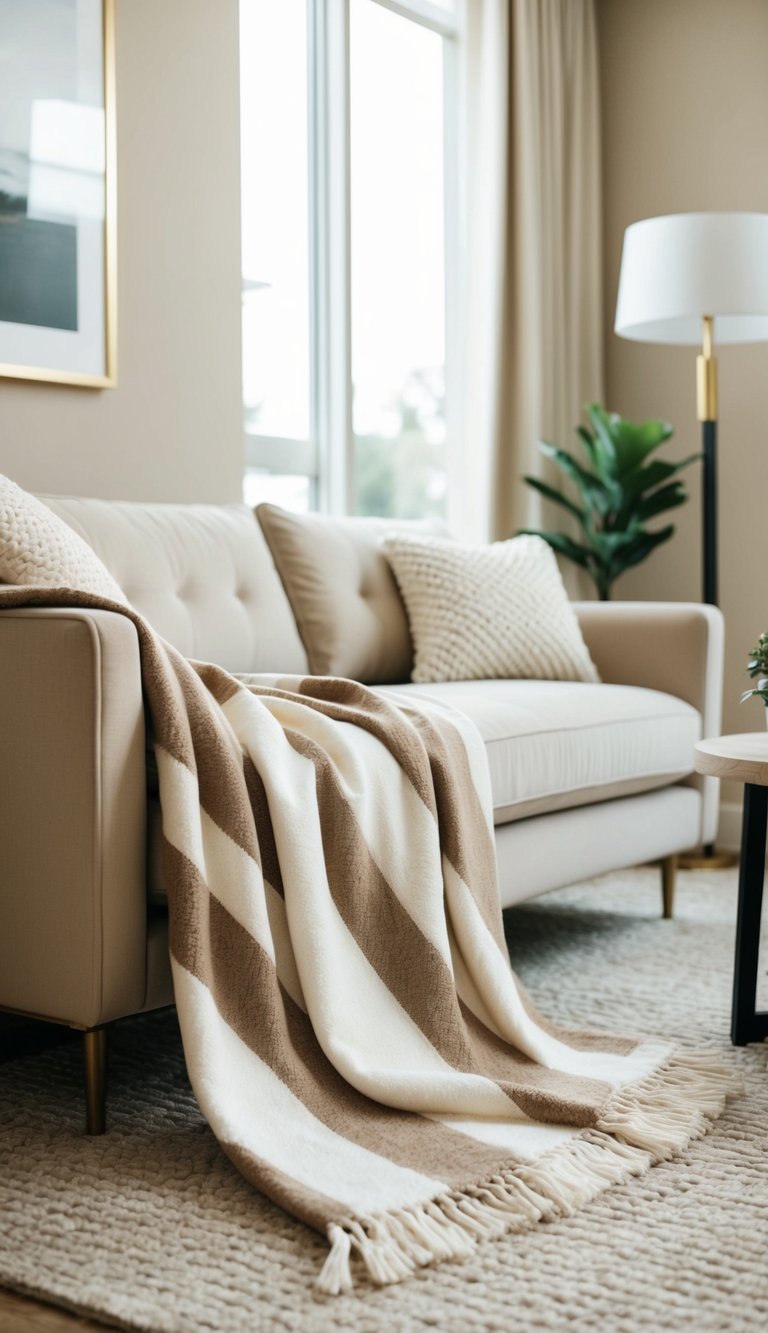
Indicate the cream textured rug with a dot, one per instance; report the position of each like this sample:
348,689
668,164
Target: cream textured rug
151,1227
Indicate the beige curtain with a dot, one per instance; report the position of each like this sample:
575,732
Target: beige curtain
533,302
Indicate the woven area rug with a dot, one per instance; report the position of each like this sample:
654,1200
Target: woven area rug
152,1228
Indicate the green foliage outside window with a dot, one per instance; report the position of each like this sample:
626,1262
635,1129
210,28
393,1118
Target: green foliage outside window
403,476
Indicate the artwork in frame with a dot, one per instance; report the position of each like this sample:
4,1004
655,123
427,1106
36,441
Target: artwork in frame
57,191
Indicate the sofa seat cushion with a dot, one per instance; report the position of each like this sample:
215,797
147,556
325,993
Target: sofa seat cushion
553,745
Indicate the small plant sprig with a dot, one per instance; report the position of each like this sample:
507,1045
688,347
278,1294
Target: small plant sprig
758,666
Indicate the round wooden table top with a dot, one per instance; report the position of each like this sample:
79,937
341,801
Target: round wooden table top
743,757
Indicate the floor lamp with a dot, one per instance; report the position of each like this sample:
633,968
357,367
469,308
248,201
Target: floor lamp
697,279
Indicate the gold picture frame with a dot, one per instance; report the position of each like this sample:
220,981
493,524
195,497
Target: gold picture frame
58,193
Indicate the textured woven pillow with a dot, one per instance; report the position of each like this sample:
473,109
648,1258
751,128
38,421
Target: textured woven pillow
40,549
487,612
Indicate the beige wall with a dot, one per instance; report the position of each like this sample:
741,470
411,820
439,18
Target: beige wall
172,428
685,125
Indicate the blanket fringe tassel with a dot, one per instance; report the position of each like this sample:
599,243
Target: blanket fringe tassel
641,1124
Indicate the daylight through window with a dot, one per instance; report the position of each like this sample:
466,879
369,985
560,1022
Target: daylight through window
348,159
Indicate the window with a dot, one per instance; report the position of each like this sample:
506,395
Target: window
349,170
275,246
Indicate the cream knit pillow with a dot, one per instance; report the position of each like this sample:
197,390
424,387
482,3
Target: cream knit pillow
40,549
484,612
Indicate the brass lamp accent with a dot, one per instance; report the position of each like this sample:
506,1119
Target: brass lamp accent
706,373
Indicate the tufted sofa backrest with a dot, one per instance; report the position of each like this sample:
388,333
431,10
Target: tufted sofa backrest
202,575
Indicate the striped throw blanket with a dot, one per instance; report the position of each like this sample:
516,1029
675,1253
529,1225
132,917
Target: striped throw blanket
353,1030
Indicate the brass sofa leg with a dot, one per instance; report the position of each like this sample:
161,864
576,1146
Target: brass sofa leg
95,1053
668,877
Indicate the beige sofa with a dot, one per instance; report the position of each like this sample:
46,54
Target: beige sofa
586,778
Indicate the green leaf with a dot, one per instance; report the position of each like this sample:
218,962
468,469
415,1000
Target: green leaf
607,461
574,470
749,694
593,490
594,453
627,443
653,475
635,443
588,442
604,443
643,545
581,555
609,544
556,496
667,497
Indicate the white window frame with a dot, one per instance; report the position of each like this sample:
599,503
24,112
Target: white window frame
327,457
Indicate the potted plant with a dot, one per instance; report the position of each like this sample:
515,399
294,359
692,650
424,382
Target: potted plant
758,666
619,490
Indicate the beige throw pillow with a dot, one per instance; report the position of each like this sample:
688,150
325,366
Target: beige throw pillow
342,592
488,612
38,548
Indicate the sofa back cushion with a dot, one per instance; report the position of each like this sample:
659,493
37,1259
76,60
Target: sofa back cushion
345,599
202,575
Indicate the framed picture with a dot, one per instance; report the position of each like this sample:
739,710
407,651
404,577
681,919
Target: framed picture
57,191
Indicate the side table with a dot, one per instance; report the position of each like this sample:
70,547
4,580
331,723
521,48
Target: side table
744,758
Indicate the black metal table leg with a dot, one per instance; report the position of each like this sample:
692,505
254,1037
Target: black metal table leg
746,1024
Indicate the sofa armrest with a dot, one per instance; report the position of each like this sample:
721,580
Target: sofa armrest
73,915
676,647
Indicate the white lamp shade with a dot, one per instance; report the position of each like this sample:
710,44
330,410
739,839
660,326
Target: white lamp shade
676,269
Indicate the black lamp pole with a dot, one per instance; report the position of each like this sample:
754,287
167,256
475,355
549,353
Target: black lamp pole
709,510
706,393
706,384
